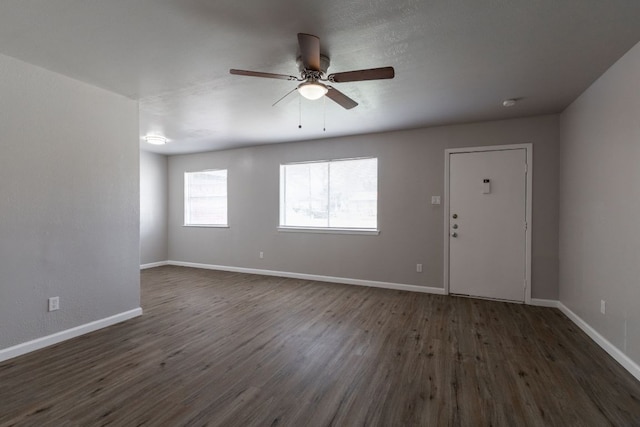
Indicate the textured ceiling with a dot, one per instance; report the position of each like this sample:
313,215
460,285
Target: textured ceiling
455,61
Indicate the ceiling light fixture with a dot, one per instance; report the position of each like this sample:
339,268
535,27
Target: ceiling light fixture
156,139
312,90
509,103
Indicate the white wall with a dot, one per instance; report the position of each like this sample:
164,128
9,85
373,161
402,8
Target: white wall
69,203
600,205
153,207
411,170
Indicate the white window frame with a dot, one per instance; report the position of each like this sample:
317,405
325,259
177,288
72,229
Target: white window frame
324,230
186,199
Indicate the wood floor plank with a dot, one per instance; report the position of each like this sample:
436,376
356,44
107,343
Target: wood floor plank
228,349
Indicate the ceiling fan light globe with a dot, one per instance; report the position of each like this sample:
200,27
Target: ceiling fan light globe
312,90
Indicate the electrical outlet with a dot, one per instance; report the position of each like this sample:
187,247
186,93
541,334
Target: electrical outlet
419,268
603,306
54,303
261,254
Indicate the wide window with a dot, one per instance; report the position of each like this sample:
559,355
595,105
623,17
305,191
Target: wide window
205,198
337,194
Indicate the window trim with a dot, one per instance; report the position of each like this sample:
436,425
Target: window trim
206,225
326,230
185,195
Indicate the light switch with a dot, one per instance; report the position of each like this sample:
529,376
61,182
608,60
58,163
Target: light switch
486,186
435,200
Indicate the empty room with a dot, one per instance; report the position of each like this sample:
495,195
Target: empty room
409,213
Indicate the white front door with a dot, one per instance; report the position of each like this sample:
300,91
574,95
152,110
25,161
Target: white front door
487,223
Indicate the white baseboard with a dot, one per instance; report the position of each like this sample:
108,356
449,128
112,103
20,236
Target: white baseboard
330,279
58,337
153,264
545,302
613,351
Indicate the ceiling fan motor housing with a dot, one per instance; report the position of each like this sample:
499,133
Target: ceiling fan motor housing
324,65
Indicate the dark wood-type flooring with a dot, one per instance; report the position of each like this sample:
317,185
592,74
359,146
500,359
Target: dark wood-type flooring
228,349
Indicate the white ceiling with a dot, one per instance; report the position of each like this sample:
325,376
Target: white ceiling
455,60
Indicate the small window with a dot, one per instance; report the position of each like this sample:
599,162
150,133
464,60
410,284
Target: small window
205,198
336,194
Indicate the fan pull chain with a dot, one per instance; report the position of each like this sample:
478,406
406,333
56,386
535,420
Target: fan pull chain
324,113
299,111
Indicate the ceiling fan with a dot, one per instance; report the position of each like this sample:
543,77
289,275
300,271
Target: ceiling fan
313,69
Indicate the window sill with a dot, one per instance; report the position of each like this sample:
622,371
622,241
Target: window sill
320,230
205,226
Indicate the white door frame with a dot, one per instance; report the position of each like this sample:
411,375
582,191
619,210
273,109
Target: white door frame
528,147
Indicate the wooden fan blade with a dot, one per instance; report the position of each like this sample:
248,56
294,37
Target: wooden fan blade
309,51
260,74
340,98
360,75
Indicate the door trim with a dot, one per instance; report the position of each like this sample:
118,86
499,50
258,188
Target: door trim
528,147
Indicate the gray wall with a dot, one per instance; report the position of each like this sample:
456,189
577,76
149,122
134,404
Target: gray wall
411,170
153,207
69,202
600,205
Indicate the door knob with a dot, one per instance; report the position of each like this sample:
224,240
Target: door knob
454,234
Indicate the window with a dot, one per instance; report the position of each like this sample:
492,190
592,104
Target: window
205,198
337,194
